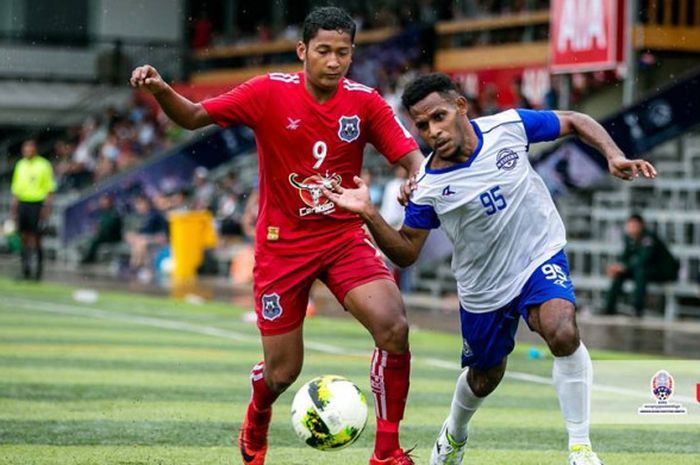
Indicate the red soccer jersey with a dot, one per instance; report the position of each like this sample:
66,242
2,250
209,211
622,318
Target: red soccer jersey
301,144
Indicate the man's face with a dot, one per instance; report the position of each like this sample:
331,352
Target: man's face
29,149
141,206
326,58
634,229
440,120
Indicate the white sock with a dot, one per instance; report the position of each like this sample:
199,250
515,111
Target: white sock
573,378
464,404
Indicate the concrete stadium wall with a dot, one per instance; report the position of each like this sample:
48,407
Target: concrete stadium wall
138,19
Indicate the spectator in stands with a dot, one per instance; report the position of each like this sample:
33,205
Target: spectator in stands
109,229
644,259
489,103
375,190
203,197
521,100
152,230
62,151
179,201
32,192
250,214
229,206
202,30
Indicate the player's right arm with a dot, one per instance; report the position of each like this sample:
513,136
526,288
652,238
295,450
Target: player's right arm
402,246
184,113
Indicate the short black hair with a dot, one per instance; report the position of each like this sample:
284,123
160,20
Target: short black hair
425,85
328,18
636,217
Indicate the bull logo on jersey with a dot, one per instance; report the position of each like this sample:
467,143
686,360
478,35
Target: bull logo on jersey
349,129
310,193
271,308
506,159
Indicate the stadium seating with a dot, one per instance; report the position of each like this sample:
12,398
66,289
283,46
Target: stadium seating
669,205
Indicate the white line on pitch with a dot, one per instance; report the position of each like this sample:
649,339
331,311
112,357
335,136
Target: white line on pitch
175,325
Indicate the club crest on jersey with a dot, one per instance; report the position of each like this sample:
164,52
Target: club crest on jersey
349,128
271,308
506,159
310,193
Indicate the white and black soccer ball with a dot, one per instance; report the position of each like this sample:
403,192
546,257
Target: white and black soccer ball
329,413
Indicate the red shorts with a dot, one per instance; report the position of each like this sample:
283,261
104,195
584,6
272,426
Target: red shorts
282,283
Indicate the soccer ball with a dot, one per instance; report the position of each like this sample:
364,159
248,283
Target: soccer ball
329,413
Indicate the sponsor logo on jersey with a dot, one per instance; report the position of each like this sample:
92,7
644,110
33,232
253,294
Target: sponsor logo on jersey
293,123
273,233
271,308
447,191
310,193
349,128
506,159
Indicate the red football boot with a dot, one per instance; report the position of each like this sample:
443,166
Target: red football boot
398,457
252,438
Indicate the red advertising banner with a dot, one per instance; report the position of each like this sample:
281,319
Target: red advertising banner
586,35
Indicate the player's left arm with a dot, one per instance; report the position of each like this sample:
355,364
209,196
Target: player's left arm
592,133
411,161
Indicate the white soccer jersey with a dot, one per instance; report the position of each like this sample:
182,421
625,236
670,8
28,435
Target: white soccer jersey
494,208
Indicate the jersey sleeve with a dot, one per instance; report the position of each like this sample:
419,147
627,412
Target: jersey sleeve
421,216
540,126
244,104
386,132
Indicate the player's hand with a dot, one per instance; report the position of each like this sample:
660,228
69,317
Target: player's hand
630,169
146,77
615,270
407,189
352,200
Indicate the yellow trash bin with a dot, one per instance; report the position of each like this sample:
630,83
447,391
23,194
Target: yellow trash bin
191,233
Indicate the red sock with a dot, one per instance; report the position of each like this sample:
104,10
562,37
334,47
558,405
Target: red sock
389,378
262,397
259,409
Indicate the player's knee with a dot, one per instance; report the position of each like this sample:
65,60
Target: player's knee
563,340
280,378
483,383
393,336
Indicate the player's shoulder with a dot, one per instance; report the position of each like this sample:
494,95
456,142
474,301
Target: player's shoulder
43,162
283,79
356,89
503,119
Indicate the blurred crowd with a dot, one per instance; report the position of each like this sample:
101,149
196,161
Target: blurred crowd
111,141
207,28
139,223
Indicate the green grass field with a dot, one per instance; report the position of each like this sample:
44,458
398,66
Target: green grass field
138,380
